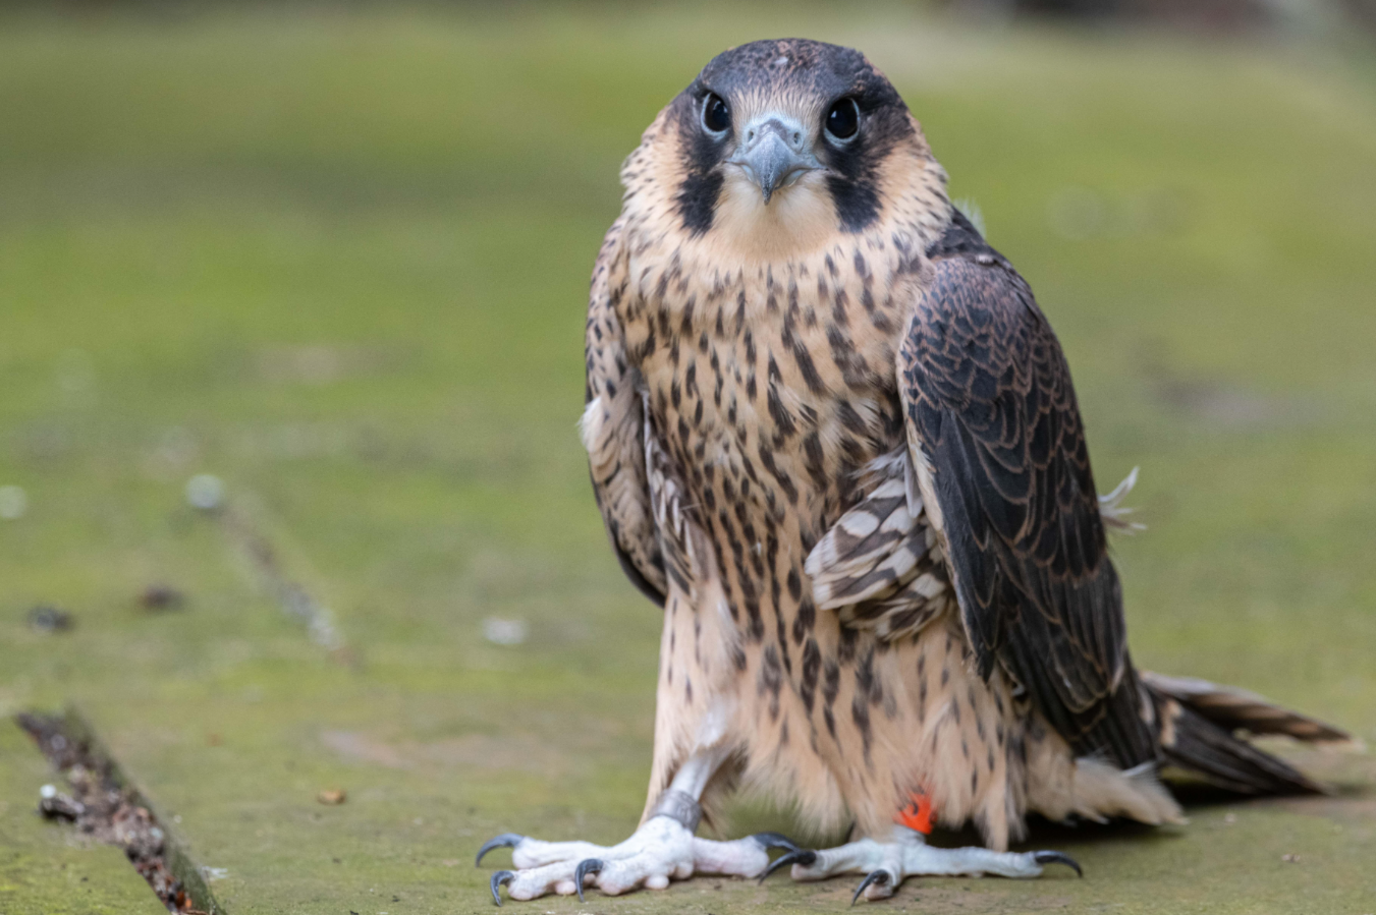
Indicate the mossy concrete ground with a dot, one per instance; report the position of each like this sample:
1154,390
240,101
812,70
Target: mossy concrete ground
340,260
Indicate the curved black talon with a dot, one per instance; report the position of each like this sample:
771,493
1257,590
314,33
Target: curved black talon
500,879
585,867
775,840
804,856
873,878
1056,857
505,840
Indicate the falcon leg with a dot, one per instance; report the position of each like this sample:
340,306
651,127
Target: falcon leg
662,849
906,854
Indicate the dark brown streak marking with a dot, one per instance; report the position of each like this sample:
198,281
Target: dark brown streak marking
812,662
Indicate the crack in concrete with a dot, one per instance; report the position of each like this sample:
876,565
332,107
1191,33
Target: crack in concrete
244,525
105,806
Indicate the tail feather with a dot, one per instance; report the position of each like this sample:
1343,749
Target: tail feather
1198,721
1231,709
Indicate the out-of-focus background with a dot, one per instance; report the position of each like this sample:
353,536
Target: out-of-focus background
291,498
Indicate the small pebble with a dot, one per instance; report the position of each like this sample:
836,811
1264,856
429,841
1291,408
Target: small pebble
205,491
161,597
504,632
54,805
14,502
47,618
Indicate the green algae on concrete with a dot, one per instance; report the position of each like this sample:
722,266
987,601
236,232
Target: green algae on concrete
340,261
45,868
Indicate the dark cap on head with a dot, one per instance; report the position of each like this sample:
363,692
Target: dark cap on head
780,109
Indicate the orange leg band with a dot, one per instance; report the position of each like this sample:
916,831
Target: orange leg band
917,815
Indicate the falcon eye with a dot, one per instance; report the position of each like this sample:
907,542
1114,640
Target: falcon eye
843,120
716,117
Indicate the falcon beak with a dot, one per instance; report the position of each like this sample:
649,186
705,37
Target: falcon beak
774,153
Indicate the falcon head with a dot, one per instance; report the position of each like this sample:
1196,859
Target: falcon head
778,145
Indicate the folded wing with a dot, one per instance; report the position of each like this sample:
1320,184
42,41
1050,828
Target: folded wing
614,429
1000,449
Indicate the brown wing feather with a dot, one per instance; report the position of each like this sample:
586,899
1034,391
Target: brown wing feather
614,427
989,398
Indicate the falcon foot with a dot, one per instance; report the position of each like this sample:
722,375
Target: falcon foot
662,849
886,864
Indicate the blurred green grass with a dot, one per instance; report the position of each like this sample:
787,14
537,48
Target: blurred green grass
340,260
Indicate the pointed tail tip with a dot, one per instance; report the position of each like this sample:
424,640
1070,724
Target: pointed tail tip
1338,741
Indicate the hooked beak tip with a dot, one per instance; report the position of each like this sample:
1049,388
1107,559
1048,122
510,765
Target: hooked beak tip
771,162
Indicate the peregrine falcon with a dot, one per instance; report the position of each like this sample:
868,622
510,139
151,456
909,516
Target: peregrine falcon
833,436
